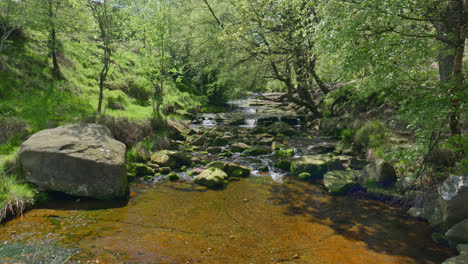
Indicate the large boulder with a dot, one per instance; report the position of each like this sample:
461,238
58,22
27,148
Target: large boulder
211,177
315,165
453,199
339,182
458,234
77,159
379,173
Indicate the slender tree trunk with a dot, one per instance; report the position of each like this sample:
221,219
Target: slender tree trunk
53,51
103,75
455,123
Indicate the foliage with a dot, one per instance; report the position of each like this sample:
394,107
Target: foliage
370,135
15,196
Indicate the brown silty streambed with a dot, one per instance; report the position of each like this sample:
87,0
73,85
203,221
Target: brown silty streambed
253,220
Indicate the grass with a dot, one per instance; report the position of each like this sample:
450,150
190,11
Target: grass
15,196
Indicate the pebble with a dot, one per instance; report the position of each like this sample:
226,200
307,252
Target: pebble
232,237
245,200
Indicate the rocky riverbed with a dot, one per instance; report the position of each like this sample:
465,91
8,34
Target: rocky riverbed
238,187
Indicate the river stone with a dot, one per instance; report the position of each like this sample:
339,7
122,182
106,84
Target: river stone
264,139
163,160
219,165
453,199
378,172
321,148
315,165
458,234
143,170
357,164
340,182
239,147
283,165
462,259
77,159
234,170
255,152
462,249
211,177
281,128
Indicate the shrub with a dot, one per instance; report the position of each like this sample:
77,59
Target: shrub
371,135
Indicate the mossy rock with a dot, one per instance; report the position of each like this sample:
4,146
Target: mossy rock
255,152
225,154
163,160
164,170
234,170
212,177
173,176
220,141
305,176
214,150
284,165
239,147
276,145
261,167
142,170
380,172
284,153
219,165
315,165
340,182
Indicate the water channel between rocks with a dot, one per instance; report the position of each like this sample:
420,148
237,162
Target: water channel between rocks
260,219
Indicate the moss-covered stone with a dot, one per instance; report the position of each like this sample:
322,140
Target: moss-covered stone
234,170
305,176
340,182
214,150
255,152
315,165
284,153
173,176
143,170
211,177
239,147
284,165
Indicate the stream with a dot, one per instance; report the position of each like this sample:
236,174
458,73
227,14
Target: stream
265,218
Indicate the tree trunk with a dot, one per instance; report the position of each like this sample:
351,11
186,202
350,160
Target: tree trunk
53,51
450,59
455,124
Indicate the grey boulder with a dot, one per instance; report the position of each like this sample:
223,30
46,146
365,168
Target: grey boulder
77,159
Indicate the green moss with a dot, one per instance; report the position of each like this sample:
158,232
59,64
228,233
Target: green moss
284,165
284,153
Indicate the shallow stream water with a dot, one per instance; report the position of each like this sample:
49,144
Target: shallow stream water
254,220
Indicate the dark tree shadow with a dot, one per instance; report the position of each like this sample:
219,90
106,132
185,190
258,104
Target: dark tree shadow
384,228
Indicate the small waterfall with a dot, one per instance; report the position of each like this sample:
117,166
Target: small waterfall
250,123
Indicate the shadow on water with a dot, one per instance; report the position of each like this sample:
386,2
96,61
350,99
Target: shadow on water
383,228
62,201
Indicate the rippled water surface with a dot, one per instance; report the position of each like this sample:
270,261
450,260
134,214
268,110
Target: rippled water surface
254,220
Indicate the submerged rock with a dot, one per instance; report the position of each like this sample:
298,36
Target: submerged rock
323,148
339,182
379,173
211,177
77,159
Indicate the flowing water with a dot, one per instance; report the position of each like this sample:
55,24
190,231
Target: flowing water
261,219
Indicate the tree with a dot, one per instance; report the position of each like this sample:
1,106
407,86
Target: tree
11,19
104,16
395,43
279,34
